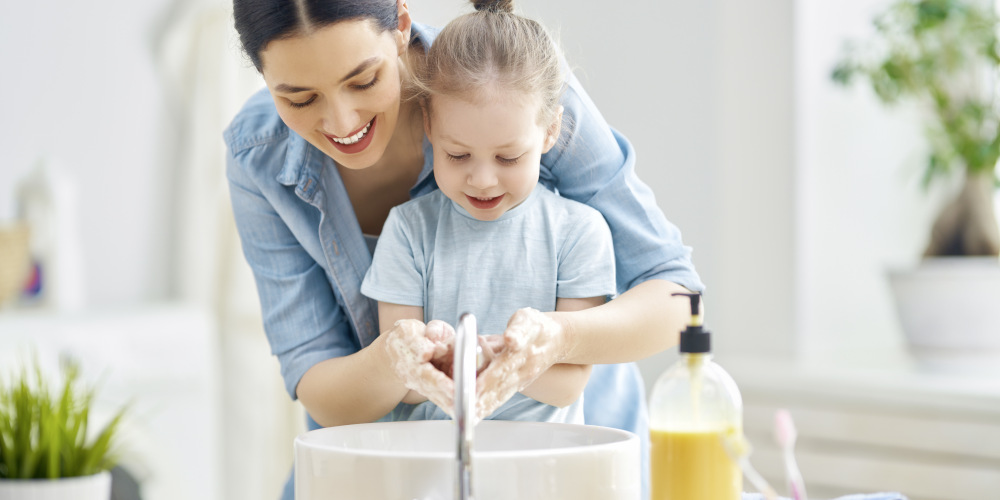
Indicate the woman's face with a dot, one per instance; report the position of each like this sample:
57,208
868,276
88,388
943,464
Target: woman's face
339,88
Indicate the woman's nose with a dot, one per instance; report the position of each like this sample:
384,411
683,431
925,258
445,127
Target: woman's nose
482,176
340,118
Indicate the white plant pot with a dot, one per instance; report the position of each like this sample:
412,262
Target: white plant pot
95,487
950,305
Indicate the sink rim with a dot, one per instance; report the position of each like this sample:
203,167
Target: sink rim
611,438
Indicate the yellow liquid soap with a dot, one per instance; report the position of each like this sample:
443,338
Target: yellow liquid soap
693,466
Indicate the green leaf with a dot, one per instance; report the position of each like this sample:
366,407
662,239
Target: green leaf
936,52
44,435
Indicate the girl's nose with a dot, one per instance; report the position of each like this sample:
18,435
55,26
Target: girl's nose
482,176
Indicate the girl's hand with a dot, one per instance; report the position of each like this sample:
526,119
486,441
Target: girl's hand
418,354
532,343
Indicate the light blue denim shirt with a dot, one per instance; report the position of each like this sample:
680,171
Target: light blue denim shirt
303,242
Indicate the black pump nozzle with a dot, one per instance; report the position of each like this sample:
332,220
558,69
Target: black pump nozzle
695,307
693,338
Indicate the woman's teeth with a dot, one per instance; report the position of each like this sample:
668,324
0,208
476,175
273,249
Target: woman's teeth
352,139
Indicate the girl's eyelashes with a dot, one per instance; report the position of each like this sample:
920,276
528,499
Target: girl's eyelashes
302,104
500,159
508,161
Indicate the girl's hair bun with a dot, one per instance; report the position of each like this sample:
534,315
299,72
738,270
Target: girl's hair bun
494,5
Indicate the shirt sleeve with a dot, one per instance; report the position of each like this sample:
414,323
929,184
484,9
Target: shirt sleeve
396,275
594,164
302,319
586,259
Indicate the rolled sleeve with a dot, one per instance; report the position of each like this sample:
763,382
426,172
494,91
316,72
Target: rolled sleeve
594,164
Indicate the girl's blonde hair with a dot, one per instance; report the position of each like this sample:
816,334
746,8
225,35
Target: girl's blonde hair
491,52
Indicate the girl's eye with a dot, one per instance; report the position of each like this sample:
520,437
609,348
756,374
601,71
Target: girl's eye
301,104
368,85
457,157
508,161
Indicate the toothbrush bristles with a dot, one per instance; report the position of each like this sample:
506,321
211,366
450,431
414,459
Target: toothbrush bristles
784,428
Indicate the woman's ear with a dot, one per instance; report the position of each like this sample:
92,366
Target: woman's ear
405,25
552,132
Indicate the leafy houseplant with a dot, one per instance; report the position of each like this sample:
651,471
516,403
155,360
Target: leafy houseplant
943,54
45,434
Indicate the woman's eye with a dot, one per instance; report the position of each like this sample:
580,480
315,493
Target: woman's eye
508,161
457,157
366,86
301,104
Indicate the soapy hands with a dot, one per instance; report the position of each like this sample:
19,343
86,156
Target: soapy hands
423,357
532,343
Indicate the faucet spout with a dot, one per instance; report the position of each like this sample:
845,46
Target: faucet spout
464,375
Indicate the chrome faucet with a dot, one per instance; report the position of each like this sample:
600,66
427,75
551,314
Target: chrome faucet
467,360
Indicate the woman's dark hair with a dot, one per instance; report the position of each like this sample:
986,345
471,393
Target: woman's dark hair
259,22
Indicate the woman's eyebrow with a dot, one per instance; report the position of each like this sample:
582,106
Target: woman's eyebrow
360,68
367,63
290,89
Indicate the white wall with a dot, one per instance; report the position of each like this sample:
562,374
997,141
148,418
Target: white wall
81,91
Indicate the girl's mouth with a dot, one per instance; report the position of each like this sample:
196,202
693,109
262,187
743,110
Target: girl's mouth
484,203
357,141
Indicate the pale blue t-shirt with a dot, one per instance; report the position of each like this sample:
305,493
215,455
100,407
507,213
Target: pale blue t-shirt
432,253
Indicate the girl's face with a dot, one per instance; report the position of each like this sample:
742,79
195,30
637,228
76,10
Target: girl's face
339,88
487,151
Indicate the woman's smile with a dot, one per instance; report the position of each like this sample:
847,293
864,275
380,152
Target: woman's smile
356,141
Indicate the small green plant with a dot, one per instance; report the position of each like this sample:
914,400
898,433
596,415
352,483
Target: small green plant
944,55
44,434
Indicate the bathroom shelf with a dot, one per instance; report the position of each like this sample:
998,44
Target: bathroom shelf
869,422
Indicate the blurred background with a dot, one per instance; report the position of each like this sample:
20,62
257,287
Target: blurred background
796,195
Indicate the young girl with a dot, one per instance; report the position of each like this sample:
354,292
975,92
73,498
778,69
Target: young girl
492,240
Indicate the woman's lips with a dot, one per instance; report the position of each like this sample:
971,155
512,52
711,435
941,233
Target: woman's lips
484,203
368,130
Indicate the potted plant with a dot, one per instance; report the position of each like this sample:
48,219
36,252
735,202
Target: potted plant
48,447
943,55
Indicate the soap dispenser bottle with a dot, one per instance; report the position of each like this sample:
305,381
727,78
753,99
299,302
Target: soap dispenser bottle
694,407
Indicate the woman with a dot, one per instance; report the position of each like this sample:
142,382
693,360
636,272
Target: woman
317,160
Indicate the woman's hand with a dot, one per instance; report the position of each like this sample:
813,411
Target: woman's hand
532,343
421,356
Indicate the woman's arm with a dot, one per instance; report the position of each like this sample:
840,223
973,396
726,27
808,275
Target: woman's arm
358,388
638,323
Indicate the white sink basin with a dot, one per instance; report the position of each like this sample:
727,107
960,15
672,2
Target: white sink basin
510,461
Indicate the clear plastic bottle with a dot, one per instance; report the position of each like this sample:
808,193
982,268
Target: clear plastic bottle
694,408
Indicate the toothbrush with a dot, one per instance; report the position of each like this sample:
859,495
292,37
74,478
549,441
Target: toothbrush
785,434
738,448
